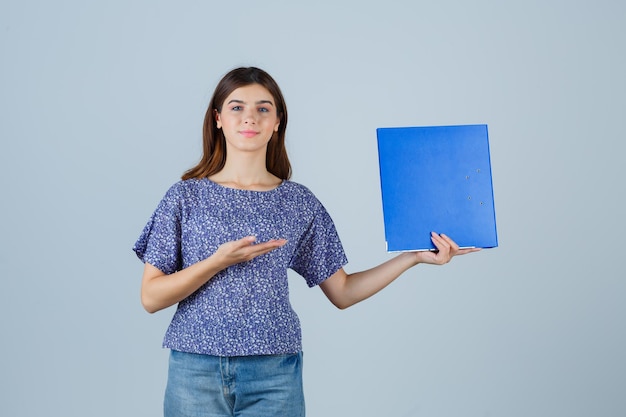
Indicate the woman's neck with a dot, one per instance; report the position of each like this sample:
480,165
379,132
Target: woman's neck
246,175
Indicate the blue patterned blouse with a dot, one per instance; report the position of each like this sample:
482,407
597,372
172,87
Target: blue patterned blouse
245,308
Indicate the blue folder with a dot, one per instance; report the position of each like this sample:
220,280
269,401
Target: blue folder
436,178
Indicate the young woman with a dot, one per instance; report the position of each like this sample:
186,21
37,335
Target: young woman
219,244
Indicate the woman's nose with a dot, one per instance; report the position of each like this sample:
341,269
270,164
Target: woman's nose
249,116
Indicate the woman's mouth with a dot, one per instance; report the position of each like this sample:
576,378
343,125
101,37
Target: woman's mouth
248,133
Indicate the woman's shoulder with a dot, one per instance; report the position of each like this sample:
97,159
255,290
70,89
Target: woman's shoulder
181,187
296,188
298,191
183,190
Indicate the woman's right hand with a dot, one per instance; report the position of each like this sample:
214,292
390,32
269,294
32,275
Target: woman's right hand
245,249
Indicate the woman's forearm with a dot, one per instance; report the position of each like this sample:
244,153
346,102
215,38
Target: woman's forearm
345,290
159,290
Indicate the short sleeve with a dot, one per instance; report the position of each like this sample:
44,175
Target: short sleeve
160,241
320,252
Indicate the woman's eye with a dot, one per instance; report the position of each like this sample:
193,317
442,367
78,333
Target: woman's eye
236,108
264,109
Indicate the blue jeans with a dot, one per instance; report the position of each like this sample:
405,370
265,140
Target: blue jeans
254,386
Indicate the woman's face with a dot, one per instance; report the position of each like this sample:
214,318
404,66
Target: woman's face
248,118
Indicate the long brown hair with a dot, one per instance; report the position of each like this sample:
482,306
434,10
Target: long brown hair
214,144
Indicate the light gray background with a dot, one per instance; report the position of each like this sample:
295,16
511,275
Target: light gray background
101,106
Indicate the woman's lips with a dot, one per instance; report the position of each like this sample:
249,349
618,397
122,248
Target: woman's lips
248,133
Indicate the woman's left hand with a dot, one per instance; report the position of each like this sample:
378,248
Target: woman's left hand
446,250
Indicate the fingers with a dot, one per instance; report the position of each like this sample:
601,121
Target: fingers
454,248
248,242
245,249
451,243
444,246
468,250
265,247
447,248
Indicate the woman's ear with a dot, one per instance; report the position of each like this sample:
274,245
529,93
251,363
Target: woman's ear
216,116
276,125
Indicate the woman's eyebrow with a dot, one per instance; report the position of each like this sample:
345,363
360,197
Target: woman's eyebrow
243,102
